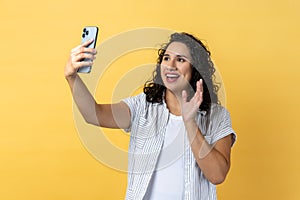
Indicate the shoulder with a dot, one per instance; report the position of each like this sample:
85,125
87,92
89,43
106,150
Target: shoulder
139,103
220,123
218,111
134,100
141,100
215,119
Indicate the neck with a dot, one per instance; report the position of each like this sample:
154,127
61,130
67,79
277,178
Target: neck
173,102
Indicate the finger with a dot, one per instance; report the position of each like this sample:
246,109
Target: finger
75,48
84,44
201,90
198,89
198,86
198,94
84,50
82,64
79,57
184,96
201,85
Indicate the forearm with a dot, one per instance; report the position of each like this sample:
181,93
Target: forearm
212,162
83,99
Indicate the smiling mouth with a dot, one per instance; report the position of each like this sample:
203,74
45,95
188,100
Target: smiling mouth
172,77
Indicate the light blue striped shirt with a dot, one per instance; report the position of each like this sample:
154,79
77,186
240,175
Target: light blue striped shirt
148,127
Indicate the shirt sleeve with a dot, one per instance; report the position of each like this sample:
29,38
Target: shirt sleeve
221,125
133,103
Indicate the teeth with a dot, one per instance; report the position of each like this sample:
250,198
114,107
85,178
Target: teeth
172,75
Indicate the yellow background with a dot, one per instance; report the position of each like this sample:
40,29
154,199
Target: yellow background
254,43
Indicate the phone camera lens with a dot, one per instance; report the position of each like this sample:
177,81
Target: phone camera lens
84,30
83,35
87,32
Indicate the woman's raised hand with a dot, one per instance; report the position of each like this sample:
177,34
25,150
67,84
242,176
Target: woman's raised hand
77,55
189,108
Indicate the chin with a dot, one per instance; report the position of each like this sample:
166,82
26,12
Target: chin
175,90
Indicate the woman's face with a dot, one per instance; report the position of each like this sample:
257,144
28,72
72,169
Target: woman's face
176,68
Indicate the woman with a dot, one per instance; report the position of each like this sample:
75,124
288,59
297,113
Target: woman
179,108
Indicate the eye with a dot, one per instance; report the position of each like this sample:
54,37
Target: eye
166,58
182,60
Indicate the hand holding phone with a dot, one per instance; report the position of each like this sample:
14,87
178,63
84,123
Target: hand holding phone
89,32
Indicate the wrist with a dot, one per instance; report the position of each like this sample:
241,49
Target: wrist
190,121
71,77
190,124
192,130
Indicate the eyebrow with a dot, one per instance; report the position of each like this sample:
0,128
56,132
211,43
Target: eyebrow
177,55
180,56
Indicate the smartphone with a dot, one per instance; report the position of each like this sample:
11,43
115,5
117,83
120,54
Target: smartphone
88,32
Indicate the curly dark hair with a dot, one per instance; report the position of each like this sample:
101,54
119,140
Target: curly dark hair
202,68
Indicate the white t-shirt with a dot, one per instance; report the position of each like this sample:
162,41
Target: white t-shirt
167,182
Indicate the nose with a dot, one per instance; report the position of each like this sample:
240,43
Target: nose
171,65
171,69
